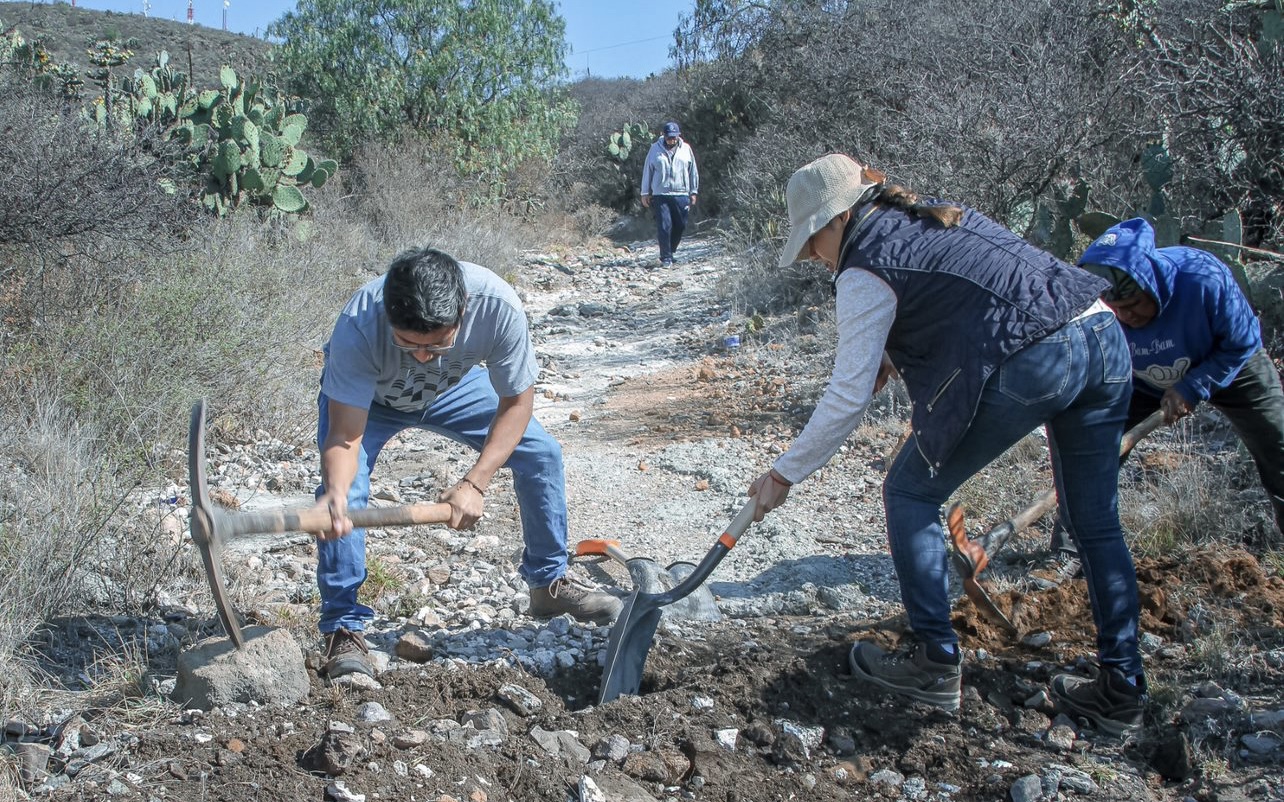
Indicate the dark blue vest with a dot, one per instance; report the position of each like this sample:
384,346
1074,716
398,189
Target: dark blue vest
967,298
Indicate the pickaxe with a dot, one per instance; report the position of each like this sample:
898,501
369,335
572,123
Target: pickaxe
213,526
972,555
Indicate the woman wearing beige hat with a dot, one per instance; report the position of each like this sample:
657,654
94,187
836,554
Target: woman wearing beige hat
992,337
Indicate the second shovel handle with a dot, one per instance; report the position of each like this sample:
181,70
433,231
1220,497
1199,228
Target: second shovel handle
997,537
597,546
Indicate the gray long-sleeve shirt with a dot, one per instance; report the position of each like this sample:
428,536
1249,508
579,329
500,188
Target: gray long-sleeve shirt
670,172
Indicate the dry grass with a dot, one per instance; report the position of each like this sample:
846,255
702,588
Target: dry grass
58,491
407,200
9,784
383,581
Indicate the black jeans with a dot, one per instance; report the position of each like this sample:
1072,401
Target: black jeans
1254,404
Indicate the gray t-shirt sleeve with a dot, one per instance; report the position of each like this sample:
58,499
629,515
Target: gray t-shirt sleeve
511,362
352,359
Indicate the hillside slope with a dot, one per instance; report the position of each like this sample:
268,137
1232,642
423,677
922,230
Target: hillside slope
66,32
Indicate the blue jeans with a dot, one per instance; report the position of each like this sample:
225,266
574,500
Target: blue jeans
464,414
1076,383
670,222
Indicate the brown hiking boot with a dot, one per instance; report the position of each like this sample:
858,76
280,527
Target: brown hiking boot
347,653
1113,704
566,595
911,672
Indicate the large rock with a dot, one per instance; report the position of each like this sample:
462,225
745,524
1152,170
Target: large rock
268,671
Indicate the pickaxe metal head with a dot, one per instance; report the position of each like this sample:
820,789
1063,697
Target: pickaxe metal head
205,532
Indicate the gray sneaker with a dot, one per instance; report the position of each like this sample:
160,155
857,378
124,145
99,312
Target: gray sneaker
1113,704
566,595
347,653
910,672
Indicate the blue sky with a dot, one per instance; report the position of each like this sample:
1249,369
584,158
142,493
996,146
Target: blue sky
608,39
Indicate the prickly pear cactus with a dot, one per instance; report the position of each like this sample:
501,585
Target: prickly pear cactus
1049,226
242,139
1157,169
1094,224
1225,234
32,57
621,143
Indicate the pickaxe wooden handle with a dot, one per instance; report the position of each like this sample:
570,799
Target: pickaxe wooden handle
971,555
212,526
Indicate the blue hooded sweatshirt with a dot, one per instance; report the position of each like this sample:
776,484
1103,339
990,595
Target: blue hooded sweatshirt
1205,329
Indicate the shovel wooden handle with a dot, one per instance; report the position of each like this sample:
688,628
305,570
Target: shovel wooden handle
971,555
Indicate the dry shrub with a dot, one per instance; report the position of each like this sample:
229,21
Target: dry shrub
72,188
406,198
233,314
58,491
985,103
9,776
758,285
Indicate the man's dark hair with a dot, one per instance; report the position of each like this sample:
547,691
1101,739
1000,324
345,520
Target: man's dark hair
424,291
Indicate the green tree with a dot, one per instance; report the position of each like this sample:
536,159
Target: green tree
485,73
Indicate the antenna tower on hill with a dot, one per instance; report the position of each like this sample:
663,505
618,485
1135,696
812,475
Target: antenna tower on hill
146,7
190,15
226,3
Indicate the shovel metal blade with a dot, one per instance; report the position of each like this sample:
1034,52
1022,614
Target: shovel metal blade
628,646
634,628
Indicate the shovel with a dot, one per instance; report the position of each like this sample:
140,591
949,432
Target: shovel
649,577
634,629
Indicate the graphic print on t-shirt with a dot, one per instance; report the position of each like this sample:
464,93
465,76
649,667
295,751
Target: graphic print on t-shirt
420,383
1164,376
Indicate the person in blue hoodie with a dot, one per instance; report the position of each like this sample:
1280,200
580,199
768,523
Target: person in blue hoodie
1193,337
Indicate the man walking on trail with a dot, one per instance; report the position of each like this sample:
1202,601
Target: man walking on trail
670,183
407,352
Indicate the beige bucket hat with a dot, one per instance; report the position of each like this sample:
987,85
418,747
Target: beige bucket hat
817,193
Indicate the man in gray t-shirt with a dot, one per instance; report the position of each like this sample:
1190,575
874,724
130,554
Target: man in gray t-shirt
407,351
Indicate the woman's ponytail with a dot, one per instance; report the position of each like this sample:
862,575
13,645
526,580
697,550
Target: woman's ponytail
947,214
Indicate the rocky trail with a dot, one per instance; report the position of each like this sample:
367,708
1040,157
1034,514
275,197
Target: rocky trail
663,427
